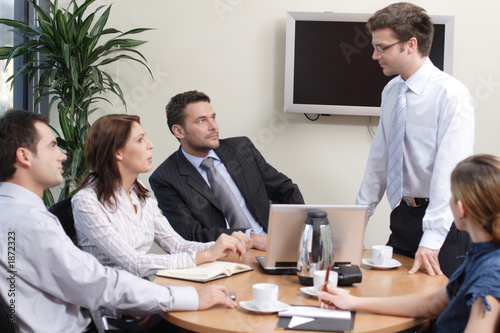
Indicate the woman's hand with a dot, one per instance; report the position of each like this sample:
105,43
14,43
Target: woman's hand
237,243
336,298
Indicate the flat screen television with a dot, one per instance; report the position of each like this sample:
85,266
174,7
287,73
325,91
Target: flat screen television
329,67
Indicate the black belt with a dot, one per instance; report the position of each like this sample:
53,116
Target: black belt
415,202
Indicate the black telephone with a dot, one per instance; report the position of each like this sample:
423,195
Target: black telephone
348,274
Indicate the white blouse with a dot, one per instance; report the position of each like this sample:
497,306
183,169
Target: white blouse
120,238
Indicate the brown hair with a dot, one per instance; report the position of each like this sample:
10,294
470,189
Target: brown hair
17,129
476,182
107,135
175,108
406,20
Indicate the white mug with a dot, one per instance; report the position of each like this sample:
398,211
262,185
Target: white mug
265,295
381,255
319,279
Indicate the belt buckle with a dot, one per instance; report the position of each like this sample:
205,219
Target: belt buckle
410,201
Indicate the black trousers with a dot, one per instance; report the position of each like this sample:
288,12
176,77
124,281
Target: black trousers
406,232
156,325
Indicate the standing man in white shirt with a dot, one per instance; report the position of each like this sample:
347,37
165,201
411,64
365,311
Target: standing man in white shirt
44,278
435,119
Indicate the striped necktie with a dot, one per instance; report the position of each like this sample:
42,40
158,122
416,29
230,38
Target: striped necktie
396,149
228,202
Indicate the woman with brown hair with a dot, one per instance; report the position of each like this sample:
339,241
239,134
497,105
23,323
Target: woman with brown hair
471,300
115,218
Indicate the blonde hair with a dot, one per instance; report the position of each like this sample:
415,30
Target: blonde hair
476,182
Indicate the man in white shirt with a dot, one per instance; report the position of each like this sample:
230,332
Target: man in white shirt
438,133
45,279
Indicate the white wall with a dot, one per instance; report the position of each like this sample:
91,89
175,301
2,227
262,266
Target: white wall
233,50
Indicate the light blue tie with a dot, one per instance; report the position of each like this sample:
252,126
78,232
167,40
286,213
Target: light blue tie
396,149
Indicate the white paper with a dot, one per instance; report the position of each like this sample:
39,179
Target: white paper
314,312
297,320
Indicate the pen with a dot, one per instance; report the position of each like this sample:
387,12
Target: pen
326,283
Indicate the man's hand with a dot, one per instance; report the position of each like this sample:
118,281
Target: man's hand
213,295
427,258
259,241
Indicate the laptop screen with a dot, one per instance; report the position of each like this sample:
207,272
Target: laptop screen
286,223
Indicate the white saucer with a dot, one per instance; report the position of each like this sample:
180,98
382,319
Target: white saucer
250,306
312,292
393,264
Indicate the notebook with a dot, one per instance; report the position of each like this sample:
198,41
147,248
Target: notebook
206,272
285,228
308,318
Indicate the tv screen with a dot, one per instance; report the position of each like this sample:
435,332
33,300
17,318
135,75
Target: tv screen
329,67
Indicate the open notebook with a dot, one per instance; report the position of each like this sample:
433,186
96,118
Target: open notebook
206,272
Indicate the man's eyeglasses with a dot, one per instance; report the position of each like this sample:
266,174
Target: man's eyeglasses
382,49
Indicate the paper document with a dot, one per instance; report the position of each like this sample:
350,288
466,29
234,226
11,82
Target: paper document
297,320
314,312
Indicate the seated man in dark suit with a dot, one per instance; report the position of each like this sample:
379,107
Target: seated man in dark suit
193,198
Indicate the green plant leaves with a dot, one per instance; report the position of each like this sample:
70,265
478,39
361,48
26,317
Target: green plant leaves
65,57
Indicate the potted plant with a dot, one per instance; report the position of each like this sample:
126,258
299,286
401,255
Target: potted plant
66,52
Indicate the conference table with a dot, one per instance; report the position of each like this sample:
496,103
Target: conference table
375,282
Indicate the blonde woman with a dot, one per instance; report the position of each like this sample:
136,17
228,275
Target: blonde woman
470,302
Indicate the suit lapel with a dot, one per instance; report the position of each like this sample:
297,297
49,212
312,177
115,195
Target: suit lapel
237,171
194,179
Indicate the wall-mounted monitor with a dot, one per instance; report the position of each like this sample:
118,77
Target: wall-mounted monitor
329,67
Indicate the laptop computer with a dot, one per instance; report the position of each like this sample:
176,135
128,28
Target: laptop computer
286,223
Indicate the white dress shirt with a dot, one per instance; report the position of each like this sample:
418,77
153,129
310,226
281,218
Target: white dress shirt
46,279
439,134
120,238
196,162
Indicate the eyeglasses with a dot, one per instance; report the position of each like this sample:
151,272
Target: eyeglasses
382,49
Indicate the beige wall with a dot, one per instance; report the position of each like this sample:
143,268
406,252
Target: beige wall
236,55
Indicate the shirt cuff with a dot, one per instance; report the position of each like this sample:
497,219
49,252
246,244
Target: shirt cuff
192,255
432,240
184,298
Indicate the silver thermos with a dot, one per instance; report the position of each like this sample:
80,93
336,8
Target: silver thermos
316,247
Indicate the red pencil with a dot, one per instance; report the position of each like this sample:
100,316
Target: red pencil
326,283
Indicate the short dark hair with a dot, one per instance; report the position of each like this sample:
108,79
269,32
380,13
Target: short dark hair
108,134
175,108
17,129
406,21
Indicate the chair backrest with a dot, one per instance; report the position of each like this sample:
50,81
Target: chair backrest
6,325
64,213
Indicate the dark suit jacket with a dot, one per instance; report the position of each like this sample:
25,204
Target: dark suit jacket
192,208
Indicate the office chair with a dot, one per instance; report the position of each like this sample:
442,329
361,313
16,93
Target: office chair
5,324
62,210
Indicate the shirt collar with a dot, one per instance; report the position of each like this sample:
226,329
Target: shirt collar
418,80
482,247
196,161
21,194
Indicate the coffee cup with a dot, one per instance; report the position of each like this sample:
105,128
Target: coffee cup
381,255
265,295
319,279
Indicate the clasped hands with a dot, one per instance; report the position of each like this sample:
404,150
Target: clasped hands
236,243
